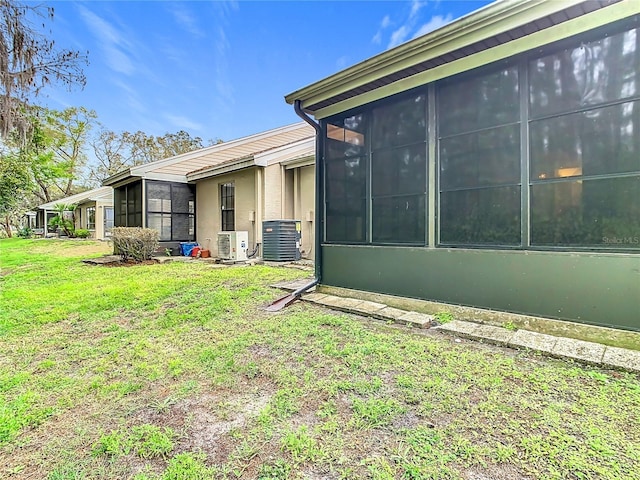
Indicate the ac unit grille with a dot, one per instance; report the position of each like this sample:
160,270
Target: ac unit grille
233,245
224,245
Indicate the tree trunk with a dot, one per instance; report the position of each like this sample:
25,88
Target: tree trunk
7,226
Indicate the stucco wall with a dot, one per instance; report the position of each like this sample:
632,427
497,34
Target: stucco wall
82,217
305,208
273,192
208,214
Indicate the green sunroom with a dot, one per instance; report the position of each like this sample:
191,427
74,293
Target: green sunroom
493,163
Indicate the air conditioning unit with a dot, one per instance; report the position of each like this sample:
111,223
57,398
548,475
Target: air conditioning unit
233,245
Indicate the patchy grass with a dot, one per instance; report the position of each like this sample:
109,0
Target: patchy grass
174,371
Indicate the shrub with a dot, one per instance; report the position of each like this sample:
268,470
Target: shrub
64,219
134,243
25,232
82,233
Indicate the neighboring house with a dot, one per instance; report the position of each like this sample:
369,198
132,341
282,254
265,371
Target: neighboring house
183,196
274,184
94,212
493,163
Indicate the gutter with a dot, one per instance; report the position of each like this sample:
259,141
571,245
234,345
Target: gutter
297,106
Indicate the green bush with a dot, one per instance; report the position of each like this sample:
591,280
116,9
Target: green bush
25,232
134,243
82,233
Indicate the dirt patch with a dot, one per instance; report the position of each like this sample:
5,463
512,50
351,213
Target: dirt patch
494,472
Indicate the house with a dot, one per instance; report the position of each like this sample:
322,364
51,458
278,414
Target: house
94,212
273,184
231,186
492,163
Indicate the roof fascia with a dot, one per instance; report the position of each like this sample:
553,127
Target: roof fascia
299,162
484,23
76,199
117,177
272,156
558,32
222,169
166,177
143,170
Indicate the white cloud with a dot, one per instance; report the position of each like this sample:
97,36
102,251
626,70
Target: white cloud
342,62
115,45
183,123
222,46
186,20
377,38
416,5
435,23
403,32
398,36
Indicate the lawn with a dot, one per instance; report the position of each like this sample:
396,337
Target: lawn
174,371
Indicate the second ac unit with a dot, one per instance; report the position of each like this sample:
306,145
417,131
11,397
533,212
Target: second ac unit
233,245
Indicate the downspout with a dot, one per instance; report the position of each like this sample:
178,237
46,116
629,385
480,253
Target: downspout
287,300
297,106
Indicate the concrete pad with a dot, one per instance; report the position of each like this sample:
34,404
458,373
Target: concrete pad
580,350
347,303
368,308
313,297
622,358
104,260
328,300
389,313
415,319
498,335
459,326
339,303
534,340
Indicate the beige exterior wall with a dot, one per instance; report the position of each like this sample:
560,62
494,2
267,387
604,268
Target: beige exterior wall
82,217
208,213
305,207
273,192
270,193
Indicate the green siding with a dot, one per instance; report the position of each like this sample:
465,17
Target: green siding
596,288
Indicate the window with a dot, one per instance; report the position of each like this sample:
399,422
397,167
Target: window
171,210
377,186
539,151
108,221
399,171
585,144
91,218
346,173
227,206
479,157
128,205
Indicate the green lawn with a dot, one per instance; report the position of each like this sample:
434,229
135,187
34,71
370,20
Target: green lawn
173,371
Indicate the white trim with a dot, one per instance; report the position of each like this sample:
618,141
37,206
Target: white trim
220,147
78,198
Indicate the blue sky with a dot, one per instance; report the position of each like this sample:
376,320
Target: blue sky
221,69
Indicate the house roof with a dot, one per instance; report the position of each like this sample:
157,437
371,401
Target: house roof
176,168
499,30
284,154
97,194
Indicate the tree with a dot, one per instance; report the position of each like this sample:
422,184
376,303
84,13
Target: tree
115,152
29,60
65,219
15,185
69,133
